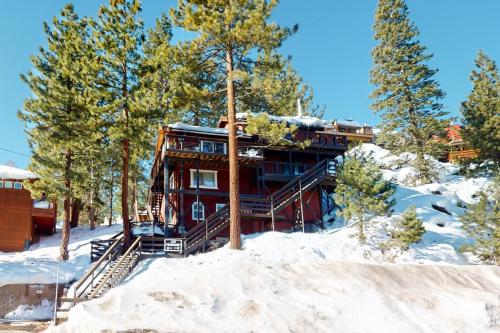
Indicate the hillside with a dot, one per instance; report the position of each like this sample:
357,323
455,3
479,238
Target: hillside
318,282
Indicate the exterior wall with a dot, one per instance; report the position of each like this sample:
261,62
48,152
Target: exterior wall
16,226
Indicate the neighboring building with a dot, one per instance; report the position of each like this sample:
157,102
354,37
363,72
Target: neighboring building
458,149
281,187
353,130
22,219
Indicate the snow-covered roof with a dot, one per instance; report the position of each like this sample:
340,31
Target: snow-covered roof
302,121
8,172
201,129
348,123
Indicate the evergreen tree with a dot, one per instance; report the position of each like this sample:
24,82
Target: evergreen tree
481,222
408,230
406,95
231,34
118,32
60,113
481,112
362,191
271,132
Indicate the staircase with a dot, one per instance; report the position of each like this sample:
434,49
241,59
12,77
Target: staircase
111,268
195,238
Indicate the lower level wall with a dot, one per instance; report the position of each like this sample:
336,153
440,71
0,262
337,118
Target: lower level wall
13,295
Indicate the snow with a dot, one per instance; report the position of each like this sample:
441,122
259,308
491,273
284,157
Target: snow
293,283
304,121
42,204
318,282
348,123
201,129
8,172
39,263
32,312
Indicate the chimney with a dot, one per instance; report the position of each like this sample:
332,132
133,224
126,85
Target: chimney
299,108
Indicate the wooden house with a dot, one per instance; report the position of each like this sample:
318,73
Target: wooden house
457,148
22,219
281,187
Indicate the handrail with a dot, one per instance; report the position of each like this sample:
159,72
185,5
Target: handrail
117,264
97,264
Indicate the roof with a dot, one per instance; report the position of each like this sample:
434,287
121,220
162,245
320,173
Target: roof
8,172
201,129
301,121
348,123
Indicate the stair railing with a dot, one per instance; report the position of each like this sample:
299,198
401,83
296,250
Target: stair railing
129,253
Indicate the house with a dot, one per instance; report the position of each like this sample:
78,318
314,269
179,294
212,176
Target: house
22,219
457,148
281,187
353,130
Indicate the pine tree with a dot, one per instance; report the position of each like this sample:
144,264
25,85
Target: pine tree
231,34
58,115
270,132
406,95
118,32
408,230
481,112
361,190
481,222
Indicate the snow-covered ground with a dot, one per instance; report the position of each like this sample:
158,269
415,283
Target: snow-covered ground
324,282
39,264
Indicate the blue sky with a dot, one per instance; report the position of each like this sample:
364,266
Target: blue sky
331,50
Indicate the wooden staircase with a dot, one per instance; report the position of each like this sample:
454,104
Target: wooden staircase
195,238
111,268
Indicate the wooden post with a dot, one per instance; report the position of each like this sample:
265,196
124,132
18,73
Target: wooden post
166,186
301,205
272,212
181,187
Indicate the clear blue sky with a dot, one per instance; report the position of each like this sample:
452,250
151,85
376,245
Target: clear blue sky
331,50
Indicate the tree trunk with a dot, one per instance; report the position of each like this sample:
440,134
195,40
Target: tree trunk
234,183
125,211
75,212
63,251
111,197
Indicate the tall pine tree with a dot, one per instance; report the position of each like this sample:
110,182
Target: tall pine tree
118,31
60,112
231,34
406,95
481,112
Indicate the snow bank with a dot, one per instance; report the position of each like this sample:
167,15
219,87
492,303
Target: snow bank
32,312
303,121
202,129
39,263
8,172
289,283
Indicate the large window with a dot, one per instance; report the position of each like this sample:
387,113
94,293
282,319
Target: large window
219,206
198,211
8,184
1,183
207,179
213,147
18,186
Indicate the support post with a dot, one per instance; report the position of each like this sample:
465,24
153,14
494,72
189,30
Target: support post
272,212
181,211
301,205
167,202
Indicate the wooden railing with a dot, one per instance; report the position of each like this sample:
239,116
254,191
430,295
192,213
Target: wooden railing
118,268
210,146
99,247
456,156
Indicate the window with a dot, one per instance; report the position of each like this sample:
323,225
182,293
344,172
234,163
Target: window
198,211
18,186
8,184
1,183
219,206
213,147
207,178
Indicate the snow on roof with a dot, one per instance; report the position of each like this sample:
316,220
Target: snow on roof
201,129
305,121
348,123
8,172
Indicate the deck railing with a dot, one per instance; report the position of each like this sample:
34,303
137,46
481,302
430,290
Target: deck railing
210,146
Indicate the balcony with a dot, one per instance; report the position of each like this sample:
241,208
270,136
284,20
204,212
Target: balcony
208,149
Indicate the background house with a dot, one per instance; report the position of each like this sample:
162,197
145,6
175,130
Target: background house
22,219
